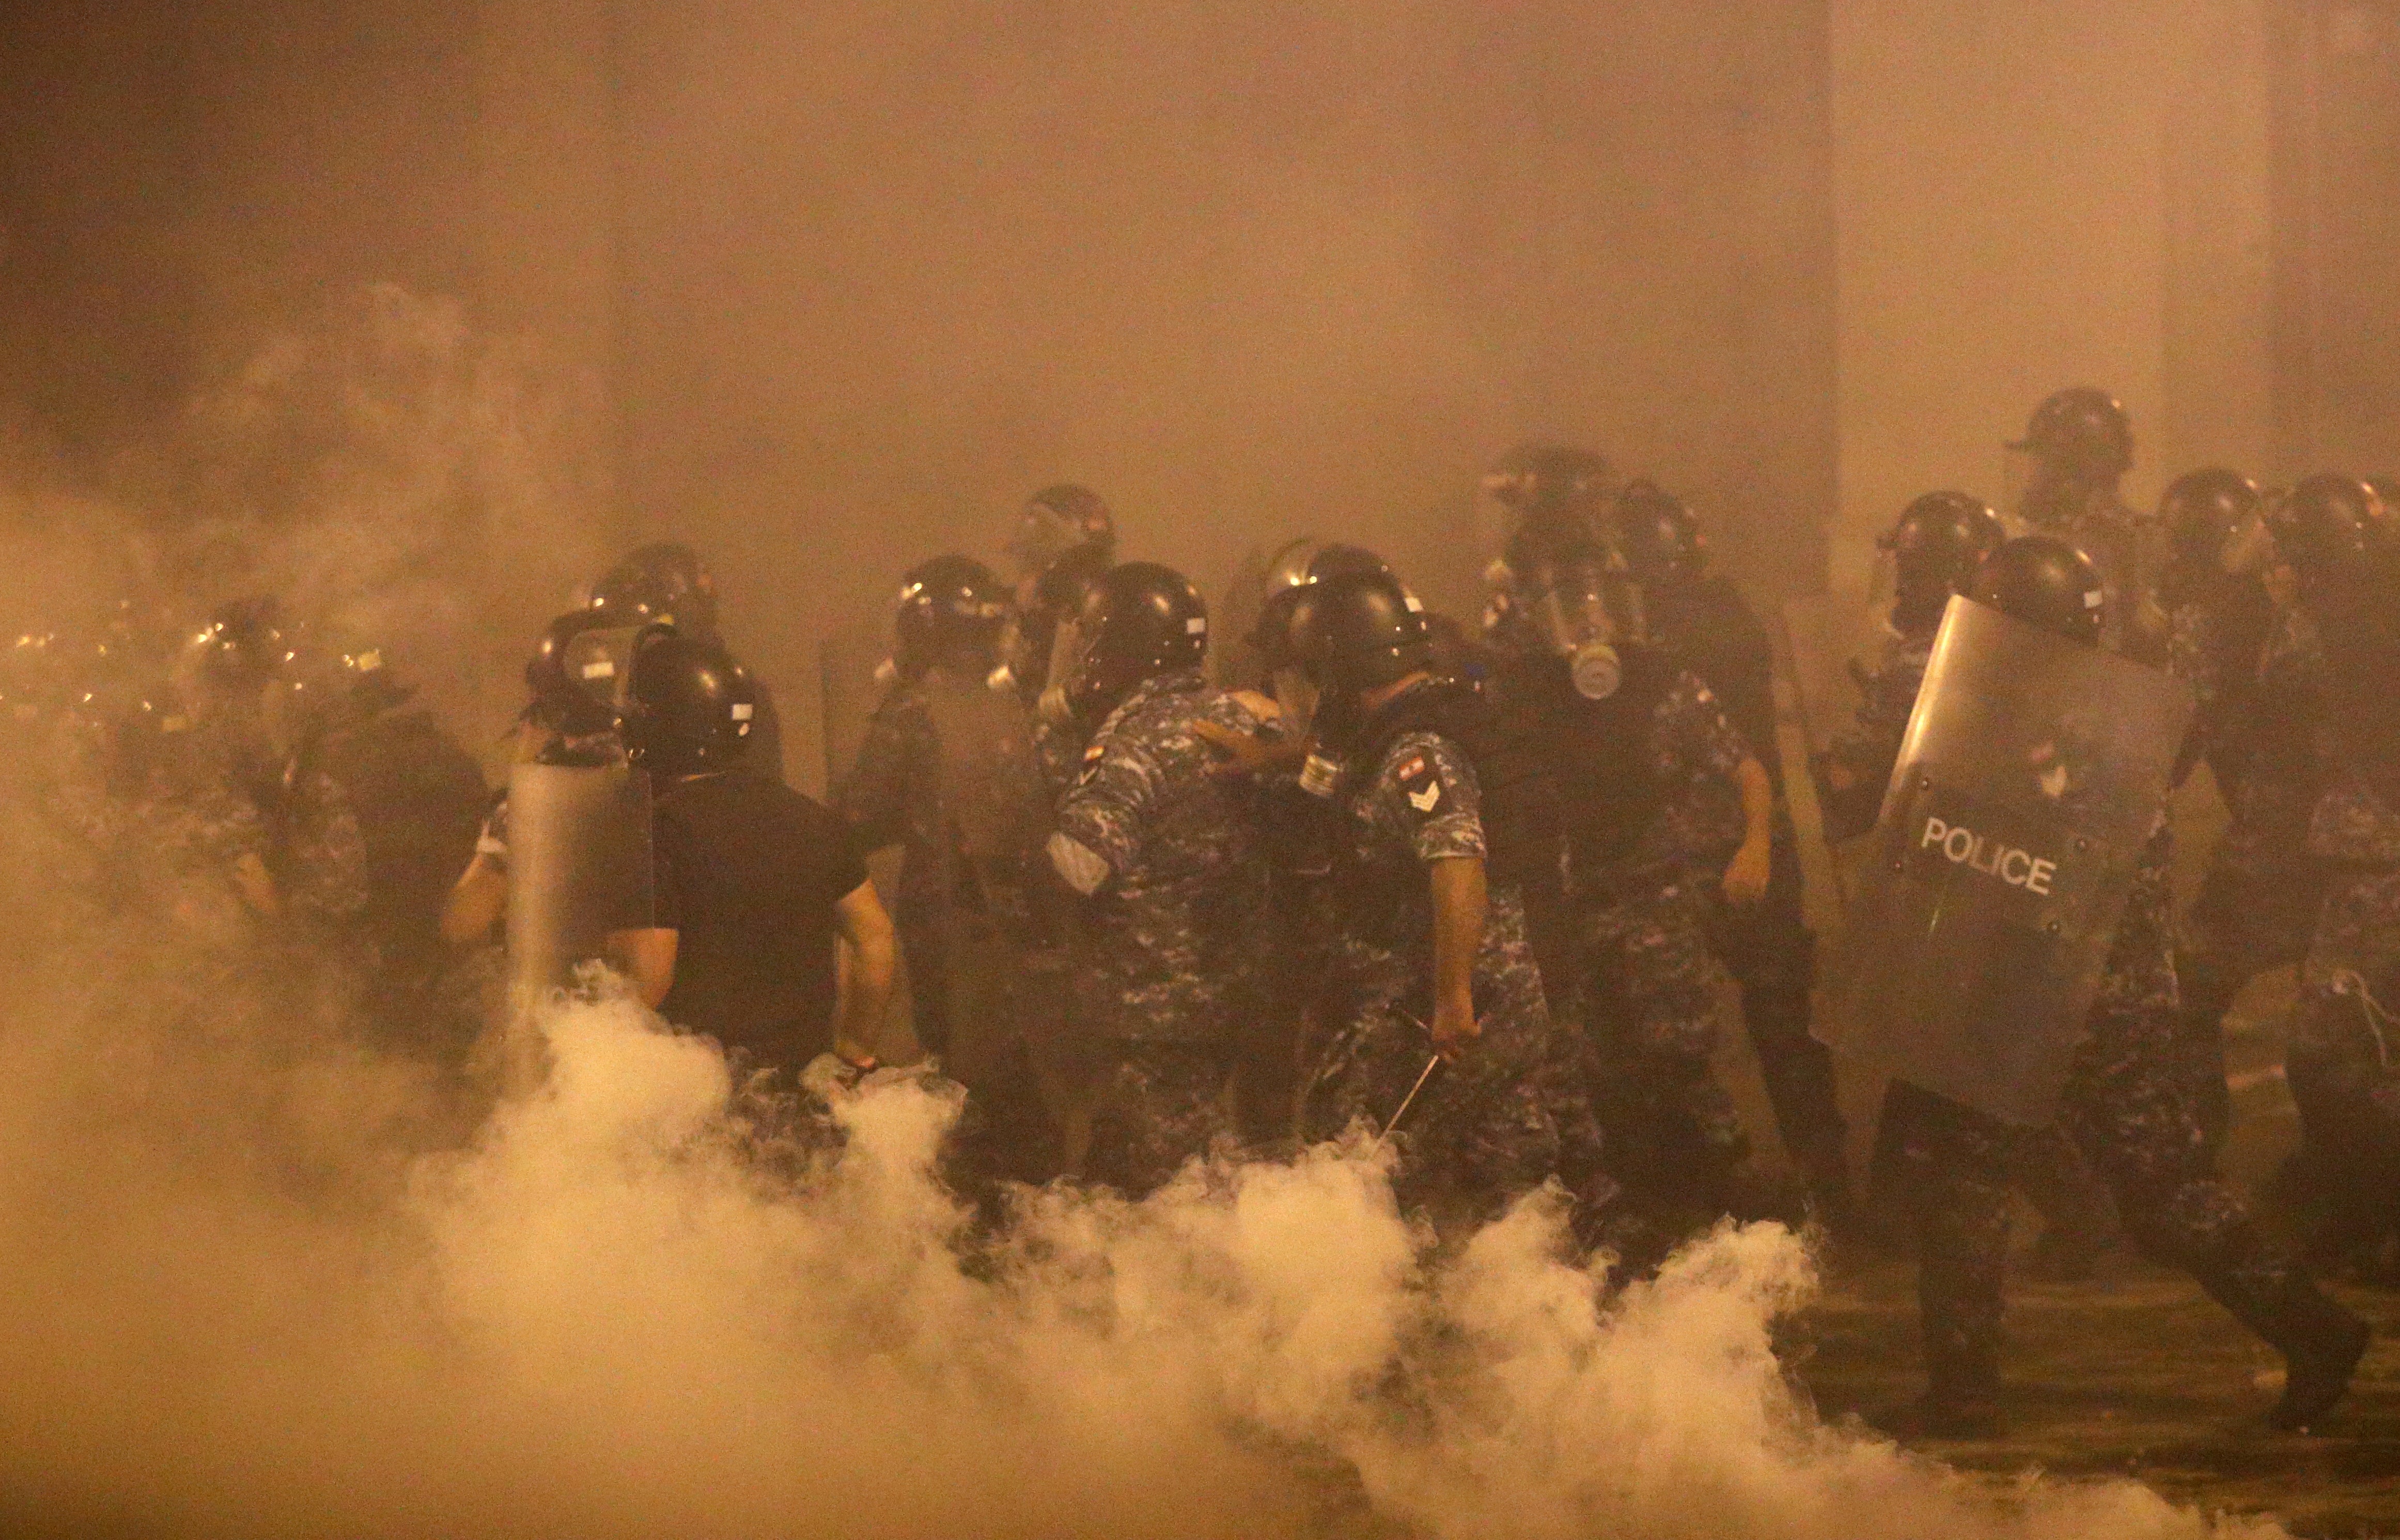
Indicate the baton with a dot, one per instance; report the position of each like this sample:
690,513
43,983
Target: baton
1410,1101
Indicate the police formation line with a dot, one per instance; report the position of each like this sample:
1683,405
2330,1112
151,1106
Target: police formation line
1363,871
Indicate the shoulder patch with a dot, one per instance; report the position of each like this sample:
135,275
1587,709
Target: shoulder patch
1093,750
1420,780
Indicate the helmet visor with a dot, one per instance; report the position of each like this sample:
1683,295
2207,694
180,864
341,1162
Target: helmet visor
1041,536
1296,698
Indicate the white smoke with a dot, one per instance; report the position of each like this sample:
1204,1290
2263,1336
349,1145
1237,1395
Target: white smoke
266,1281
627,1306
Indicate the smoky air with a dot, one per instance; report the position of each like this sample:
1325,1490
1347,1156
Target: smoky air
415,315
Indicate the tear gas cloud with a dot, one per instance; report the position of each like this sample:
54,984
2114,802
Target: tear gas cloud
272,1280
622,1307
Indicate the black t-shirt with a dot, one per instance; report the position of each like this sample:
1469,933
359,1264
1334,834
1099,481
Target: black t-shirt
749,872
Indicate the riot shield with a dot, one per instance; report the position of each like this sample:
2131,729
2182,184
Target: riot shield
994,815
579,869
2033,773
992,792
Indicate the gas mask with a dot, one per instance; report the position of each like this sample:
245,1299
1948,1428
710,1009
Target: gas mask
1303,707
1056,704
1585,610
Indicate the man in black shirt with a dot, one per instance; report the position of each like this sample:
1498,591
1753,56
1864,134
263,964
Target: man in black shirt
755,881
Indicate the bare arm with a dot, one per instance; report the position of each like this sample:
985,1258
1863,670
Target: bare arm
478,902
1460,899
647,957
1745,879
864,990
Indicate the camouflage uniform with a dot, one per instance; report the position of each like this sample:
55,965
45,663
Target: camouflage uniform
1643,884
968,911
375,818
2343,1066
2131,1108
186,945
1167,946
1767,946
2264,886
1483,1130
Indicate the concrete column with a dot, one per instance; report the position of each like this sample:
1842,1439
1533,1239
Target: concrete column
2033,195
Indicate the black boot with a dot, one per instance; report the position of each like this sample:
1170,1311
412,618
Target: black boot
2323,1344
2320,1340
1962,1393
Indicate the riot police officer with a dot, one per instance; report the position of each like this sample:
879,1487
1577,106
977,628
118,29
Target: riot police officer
2250,672
948,771
1437,1026
376,808
666,583
1936,546
1702,619
565,722
754,881
2081,444
227,676
1060,518
1666,807
1299,840
1552,492
1063,540
2337,1057
1165,857
2127,1101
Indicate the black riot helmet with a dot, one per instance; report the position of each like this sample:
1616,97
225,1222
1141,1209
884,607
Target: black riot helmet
688,706
1066,584
2045,582
1576,600
1060,518
240,648
1940,539
665,582
2322,527
1140,621
1297,566
2214,521
950,607
1536,476
2081,434
1355,631
561,700
1658,537
335,680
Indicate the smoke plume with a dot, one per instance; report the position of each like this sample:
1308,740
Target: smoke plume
270,1279
636,1303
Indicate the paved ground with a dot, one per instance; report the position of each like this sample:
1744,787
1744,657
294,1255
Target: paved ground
2139,1375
